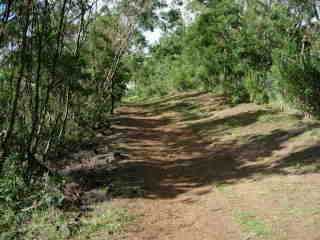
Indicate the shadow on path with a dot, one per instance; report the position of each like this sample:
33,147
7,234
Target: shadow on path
165,160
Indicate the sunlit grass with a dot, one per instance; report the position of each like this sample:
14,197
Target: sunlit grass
55,224
251,223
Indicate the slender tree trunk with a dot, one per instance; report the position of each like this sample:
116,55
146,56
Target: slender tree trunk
35,113
65,117
18,85
112,96
52,78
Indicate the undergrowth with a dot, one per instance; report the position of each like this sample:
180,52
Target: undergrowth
35,210
19,199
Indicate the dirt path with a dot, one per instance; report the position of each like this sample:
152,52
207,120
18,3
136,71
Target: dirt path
175,177
194,168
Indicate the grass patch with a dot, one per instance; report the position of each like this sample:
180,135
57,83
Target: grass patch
219,125
133,98
304,211
223,187
51,224
54,224
104,222
251,223
274,117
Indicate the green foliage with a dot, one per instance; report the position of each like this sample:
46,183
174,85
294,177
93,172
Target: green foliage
110,222
32,210
18,199
301,80
256,85
62,64
54,224
65,66
255,52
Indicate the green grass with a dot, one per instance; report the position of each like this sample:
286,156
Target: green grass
50,224
251,223
307,211
54,224
133,98
274,117
106,222
224,187
215,125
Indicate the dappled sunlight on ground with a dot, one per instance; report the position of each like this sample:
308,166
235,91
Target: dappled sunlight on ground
198,168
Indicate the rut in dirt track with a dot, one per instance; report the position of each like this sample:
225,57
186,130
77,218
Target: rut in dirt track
177,152
175,167
167,158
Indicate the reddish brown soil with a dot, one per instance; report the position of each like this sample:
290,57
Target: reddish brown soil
194,162
176,179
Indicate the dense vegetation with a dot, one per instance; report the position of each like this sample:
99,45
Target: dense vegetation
261,51
62,73
65,65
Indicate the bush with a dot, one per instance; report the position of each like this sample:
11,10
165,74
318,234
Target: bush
301,81
18,200
257,87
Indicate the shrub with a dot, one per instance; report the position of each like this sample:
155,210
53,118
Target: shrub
18,199
300,82
257,87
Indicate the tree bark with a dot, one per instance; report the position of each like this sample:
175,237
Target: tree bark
18,85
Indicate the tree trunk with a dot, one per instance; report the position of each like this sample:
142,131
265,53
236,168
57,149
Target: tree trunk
18,85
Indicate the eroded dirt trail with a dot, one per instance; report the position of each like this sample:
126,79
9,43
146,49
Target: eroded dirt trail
173,167
195,168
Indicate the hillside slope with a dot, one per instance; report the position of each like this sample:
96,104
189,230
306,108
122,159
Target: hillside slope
192,167
207,170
